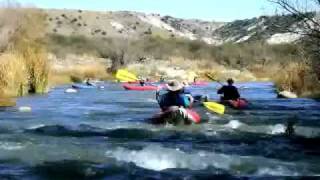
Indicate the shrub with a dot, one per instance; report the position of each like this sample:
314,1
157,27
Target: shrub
74,20
75,44
27,53
28,42
297,77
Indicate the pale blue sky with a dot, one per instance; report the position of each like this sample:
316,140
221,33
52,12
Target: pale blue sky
218,10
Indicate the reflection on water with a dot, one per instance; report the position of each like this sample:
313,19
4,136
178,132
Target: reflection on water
103,133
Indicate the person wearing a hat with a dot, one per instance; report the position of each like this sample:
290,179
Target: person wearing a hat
230,92
174,97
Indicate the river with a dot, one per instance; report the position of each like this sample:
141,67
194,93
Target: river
103,134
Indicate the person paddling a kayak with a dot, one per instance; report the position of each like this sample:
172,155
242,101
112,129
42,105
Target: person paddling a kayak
142,82
231,96
230,92
175,106
174,97
88,82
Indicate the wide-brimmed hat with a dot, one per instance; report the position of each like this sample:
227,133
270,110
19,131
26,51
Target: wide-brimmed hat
174,86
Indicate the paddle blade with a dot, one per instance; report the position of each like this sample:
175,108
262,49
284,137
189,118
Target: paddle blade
210,77
215,107
126,76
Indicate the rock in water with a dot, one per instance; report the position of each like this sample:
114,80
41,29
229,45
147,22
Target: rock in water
25,109
71,90
287,94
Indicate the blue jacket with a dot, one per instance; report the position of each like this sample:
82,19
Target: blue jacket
173,99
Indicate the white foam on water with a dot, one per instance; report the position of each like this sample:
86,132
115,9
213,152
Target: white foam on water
276,172
71,90
213,116
36,126
234,124
152,100
277,129
159,158
10,146
25,109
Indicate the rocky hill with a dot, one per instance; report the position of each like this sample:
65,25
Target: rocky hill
135,25
127,24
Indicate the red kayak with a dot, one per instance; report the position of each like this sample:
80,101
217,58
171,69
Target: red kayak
237,104
137,82
139,88
200,83
176,116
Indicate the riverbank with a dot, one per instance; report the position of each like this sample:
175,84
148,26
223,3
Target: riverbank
293,77
77,68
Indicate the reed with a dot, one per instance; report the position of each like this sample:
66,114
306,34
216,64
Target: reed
297,77
38,69
24,65
13,75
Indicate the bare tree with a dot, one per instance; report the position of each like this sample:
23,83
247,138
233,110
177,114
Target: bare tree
117,51
307,14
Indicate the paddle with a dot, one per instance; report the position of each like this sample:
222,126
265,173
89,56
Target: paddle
213,79
126,76
215,107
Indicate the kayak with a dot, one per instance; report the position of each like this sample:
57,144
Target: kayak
139,88
200,83
176,116
83,86
138,82
237,104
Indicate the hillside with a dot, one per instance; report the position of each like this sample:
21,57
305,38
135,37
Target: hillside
126,24
136,25
77,44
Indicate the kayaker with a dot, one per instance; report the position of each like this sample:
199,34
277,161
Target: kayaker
142,82
195,79
185,84
230,92
161,79
174,97
88,83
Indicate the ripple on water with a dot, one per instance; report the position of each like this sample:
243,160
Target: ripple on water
103,133
159,158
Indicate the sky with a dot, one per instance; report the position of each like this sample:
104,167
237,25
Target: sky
212,10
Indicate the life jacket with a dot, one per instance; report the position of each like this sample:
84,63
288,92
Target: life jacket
173,99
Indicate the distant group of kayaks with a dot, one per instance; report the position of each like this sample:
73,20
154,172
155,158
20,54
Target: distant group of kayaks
150,86
174,115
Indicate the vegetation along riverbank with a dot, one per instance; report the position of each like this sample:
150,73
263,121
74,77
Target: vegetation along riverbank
43,48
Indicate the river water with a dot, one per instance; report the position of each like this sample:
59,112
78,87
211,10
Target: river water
103,134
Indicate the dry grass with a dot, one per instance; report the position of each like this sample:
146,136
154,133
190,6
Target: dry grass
7,102
38,69
79,73
24,66
23,73
13,75
297,77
